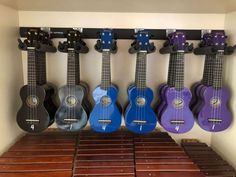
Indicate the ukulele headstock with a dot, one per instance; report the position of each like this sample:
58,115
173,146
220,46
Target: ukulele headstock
73,41
219,40
33,37
106,42
176,41
142,42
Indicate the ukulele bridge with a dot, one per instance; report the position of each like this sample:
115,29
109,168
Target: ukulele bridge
140,122
32,120
104,121
71,120
215,120
179,122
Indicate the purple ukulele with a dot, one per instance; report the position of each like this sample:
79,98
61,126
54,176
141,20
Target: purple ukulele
176,116
214,115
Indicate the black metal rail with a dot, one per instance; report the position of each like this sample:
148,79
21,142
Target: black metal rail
93,33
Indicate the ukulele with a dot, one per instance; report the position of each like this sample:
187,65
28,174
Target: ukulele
105,116
71,114
164,86
41,78
139,115
176,116
195,103
214,115
32,116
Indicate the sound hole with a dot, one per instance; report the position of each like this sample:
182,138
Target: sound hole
71,101
106,101
140,101
32,101
215,102
178,103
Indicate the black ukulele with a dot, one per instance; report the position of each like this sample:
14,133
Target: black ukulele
49,102
32,116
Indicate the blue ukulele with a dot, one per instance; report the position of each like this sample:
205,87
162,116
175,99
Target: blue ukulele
139,115
105,116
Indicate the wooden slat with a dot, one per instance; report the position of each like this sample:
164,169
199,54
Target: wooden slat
35,160
37,174
36,167
168,174
169,167
105,171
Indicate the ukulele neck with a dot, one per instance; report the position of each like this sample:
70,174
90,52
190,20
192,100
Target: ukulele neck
106,70
179,70
218,70
140,74
31,66
41,68
171,71
207,72
71,67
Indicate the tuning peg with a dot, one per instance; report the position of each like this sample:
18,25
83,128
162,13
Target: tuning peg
98,46
114,47
21,45
151,48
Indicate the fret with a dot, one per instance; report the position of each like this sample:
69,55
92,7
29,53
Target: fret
106,70
71,67
218,70
140,73
179,70
31,66
41,68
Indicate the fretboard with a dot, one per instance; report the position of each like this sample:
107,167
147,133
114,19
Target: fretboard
171,71
106,70
41,68
140,74
207,72
179,70
31,66
71,67
218,70
77,68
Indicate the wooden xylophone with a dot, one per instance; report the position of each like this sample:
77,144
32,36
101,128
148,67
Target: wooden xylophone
158,155
49,154
209,162
120,154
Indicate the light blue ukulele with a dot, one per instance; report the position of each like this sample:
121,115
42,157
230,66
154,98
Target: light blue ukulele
139,115
105,116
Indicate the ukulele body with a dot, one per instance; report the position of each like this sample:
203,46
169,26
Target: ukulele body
139,115
32,116
176,116
214,115
195,97
105,116
71,116
49,102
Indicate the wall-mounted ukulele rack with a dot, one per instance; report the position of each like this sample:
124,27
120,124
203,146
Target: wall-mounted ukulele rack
93,33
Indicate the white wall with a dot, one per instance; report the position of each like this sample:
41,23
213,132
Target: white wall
224,142
123,64
11,78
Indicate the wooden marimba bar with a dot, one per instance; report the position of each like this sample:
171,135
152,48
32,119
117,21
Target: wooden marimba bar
46,155
209,162
158,155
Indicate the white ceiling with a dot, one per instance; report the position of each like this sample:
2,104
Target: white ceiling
147,6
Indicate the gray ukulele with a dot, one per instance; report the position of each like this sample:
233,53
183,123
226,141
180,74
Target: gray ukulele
71,114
